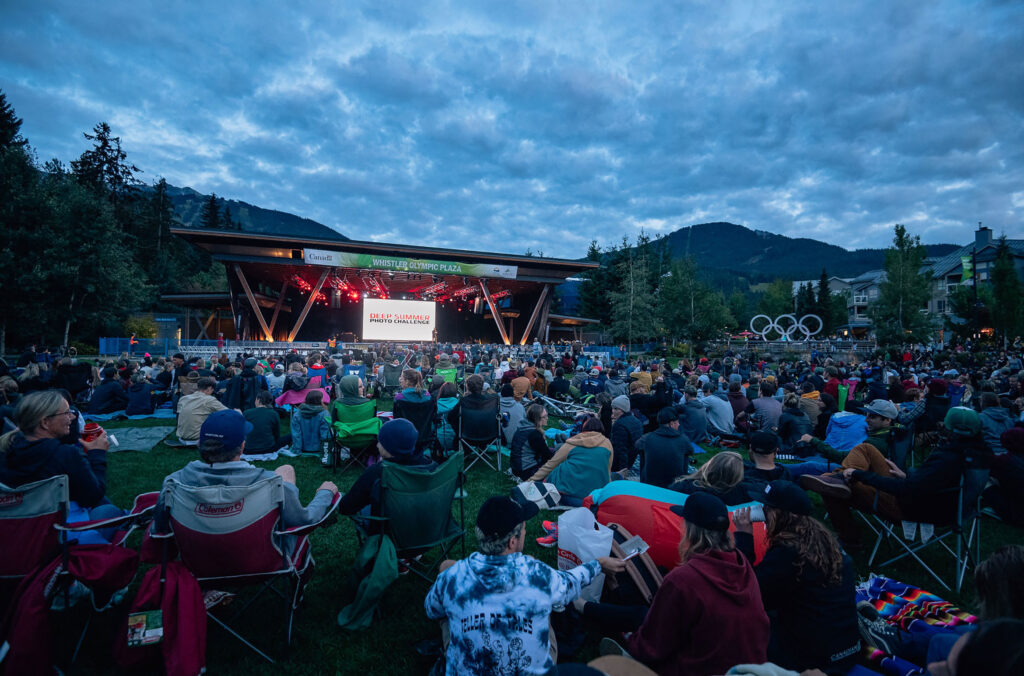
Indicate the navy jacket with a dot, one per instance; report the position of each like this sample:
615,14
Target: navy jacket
108,397
27,461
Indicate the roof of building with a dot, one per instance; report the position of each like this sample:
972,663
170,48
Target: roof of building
944,265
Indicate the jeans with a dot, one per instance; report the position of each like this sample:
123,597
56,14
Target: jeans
571,501
814,466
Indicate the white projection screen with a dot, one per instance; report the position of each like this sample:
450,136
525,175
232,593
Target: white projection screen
398,319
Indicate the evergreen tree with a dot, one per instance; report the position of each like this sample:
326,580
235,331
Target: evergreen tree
823,304
689,309
228,223
10,126
739,308
633,310
593,297
1006,294
104,167
960,320
896,314
806,301
210,216
777,299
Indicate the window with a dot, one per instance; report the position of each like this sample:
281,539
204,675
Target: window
940,306
872,293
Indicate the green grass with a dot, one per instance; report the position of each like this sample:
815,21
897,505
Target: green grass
319,646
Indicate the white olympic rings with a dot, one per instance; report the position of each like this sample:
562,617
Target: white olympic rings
785,332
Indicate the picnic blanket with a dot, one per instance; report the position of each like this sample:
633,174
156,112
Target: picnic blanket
119,415
912,610
267,457
138,438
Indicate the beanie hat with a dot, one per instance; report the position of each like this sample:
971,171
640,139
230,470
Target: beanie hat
621,402
398,437
963,421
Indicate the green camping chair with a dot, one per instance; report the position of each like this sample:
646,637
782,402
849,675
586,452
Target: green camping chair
416,512
450,374
355,427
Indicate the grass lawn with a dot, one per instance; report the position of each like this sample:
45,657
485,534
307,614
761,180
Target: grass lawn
319,646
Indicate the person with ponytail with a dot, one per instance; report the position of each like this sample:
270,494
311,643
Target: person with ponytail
806,581
411,382
34,451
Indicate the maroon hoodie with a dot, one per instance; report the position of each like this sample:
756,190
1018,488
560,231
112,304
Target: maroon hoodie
706,617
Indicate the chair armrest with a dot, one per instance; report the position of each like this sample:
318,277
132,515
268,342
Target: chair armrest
308,528
133,519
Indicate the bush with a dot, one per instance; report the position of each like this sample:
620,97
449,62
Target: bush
142,326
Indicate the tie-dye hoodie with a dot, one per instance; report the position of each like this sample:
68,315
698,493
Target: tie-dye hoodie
498,609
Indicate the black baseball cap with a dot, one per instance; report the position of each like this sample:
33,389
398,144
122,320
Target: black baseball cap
500,514
787,496
763,443
705,510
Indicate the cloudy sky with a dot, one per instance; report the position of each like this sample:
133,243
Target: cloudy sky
507,126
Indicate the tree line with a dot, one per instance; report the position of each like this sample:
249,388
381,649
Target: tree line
82,247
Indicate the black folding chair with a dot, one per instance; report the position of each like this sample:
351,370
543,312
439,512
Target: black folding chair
480,427
421,414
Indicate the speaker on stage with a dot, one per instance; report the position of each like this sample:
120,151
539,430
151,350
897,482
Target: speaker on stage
478,305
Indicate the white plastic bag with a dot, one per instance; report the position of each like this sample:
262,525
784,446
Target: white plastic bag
580,539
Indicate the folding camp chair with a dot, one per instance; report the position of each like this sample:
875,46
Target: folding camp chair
480,428
354,427
389,379
450,374
416,512
901,446
232,536
421,414
935,410
566,408
965,530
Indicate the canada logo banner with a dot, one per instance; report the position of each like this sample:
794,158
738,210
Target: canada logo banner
213,511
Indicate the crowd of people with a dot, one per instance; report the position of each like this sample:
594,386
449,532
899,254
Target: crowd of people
640,419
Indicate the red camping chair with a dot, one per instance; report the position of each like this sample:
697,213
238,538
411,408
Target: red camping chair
232,536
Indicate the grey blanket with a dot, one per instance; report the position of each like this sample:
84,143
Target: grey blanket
138,438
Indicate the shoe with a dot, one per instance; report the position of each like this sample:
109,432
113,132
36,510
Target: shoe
875,631
548,541
344,453
549,526
830,485
403,566
610,646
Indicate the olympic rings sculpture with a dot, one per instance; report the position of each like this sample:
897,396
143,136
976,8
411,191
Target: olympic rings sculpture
785,332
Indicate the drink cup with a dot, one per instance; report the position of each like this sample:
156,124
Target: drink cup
91,431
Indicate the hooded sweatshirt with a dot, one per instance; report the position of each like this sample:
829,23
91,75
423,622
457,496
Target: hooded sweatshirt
349,388
515,412
706,617
498,610
582,465
34,460
310,427
994,421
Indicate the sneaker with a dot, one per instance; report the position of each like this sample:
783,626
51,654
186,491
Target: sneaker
548,541
875,631
403,566
549,526
344,453
610,646
831,485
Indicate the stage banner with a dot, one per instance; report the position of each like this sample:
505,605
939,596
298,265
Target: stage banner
398,319
341,259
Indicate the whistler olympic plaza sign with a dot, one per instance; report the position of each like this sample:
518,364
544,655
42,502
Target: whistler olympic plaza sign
341,259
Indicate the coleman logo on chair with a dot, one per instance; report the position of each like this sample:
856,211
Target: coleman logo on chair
217,511
11,500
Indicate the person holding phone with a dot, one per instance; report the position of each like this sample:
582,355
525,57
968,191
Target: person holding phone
807,583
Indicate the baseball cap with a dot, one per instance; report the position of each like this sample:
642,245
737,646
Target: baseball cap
595,372
278,367
787,496
398,437
764,442
963,421
500,514
884,408
704,510
250,363
227,426
621,402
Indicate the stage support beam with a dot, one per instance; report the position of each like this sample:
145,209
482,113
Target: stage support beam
494,312
309,304
206,327
536,312
277,308
253,303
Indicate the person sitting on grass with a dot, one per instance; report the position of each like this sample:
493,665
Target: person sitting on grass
707,615
529,446
265,436
495,606
140,396
807,583
396,443
311,425
221,444
195,408
583,464
109,396
763,447
721,476
665,452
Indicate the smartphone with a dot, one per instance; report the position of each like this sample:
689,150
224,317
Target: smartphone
757,512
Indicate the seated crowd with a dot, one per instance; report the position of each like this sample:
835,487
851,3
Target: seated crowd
916,426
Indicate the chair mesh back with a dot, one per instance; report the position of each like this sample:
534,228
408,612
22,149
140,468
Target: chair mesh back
418,502
352,413
479,419
420,414
28,515
976,473
391,375
222,531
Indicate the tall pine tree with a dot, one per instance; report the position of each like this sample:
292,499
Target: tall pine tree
897,314
1006,294
210,217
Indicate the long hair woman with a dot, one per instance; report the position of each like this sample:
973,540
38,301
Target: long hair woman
806,581
722,476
